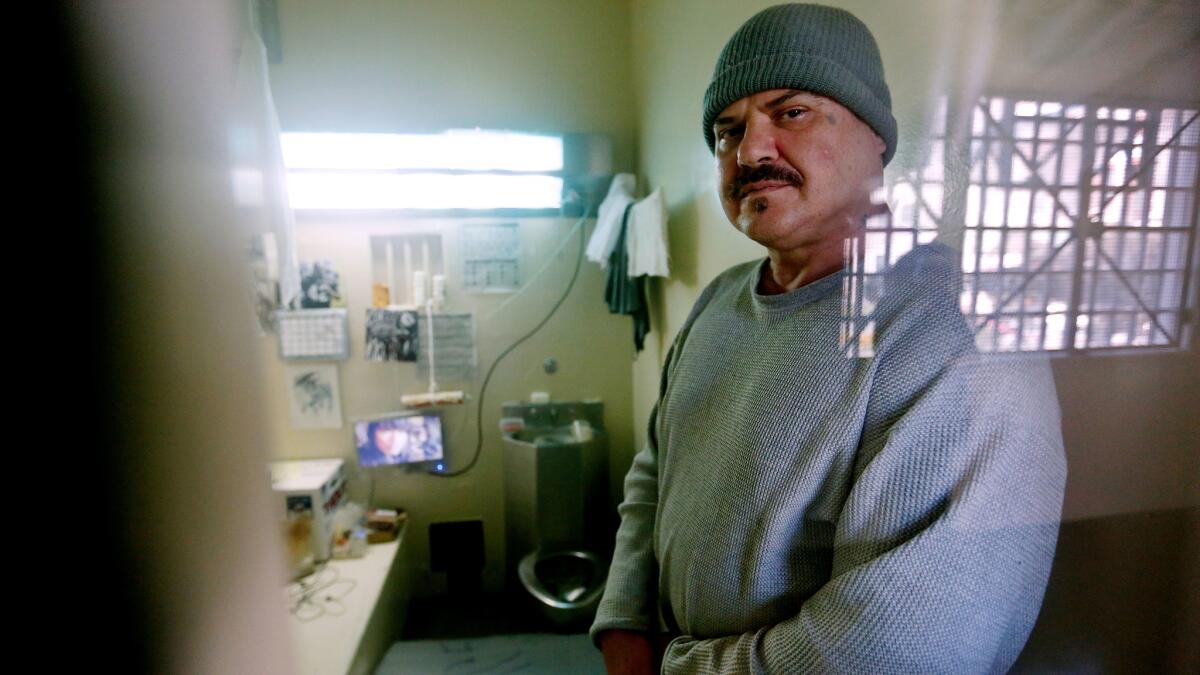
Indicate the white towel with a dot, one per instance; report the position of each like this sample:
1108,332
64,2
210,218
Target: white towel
646,238
608,218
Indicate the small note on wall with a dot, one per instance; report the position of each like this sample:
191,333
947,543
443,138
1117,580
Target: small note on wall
454,347
315,400
491,258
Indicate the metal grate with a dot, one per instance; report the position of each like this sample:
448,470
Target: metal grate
1077,224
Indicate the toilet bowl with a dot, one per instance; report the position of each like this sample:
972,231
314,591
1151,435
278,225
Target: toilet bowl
566,585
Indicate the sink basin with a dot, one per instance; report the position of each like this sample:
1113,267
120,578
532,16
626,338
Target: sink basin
546,435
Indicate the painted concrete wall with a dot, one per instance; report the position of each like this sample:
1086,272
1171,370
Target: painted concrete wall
419,66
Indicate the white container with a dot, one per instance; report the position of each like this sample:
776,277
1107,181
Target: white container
419,291
438,292
316,486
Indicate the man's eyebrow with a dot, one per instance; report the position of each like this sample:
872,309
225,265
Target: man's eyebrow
775,103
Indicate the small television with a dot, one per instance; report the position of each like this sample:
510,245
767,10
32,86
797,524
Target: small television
403,438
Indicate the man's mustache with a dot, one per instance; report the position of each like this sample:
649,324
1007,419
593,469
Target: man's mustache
760,173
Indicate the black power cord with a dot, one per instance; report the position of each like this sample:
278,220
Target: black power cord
483,388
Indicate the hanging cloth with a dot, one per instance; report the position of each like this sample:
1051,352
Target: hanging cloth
646,239
623,293
609,218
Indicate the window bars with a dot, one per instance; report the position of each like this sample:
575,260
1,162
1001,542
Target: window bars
1076,224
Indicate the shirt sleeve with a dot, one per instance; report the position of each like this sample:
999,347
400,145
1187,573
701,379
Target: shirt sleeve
630,599
943,545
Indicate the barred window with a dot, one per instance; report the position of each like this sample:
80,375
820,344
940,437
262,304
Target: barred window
1076,223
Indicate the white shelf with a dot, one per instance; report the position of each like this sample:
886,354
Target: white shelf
354,640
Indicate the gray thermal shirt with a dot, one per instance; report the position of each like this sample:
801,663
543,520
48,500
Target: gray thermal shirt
796,509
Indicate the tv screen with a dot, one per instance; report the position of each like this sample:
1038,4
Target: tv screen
399,438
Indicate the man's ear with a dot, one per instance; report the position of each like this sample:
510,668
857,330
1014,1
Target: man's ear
880,144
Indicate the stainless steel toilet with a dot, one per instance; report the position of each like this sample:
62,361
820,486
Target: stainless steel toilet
567,585
557,525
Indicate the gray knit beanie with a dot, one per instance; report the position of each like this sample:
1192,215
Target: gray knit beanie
820,49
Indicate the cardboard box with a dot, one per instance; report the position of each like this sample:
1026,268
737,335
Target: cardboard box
316,487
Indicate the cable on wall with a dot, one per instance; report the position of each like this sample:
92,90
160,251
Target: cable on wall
579,227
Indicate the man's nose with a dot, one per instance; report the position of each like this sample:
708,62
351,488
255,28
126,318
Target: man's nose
758,144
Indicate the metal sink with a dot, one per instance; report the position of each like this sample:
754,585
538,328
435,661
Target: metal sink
543,436
555,485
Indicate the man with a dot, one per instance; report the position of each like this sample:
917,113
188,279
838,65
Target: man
797,509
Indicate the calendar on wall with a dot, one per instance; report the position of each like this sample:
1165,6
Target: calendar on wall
491,256
313,334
